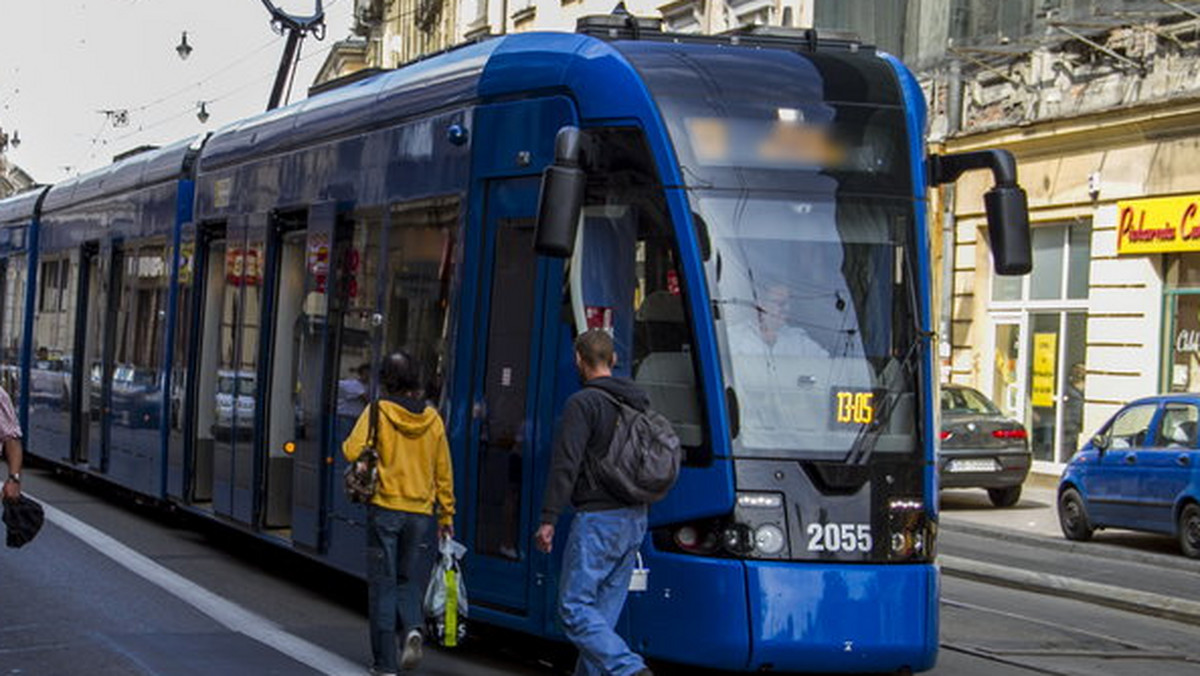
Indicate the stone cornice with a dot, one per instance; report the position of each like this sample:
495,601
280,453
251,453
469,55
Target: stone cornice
1129,125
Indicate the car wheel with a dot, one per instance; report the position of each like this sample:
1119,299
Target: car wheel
1004,497
1189,531
1072,516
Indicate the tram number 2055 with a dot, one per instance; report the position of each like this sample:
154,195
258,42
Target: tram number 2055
838,537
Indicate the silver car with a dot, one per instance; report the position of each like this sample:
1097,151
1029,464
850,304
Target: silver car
980,447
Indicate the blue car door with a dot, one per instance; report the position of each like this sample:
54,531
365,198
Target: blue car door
1165,467
1112,487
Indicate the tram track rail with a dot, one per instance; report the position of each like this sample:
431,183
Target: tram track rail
1026,658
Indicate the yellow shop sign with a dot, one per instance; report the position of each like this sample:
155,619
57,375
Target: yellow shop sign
1159,225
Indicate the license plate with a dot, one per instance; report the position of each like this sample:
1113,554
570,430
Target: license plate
972,466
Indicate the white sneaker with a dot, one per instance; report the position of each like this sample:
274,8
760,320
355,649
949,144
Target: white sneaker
411,657
377,672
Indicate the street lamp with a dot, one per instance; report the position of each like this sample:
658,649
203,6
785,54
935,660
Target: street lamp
202,114
183,48
15,141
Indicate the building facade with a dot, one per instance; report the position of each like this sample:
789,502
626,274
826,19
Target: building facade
1100,104
12,179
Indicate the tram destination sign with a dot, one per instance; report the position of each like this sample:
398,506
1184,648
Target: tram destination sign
1158,225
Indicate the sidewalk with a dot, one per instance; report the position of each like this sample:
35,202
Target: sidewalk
1023,547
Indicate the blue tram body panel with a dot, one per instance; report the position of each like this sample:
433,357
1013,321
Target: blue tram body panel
99,223
476,126
19,236
838,618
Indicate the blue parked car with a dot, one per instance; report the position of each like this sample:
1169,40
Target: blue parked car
1141,472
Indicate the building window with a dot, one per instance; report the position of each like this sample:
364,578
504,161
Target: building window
1181,324
1040,339
1061,259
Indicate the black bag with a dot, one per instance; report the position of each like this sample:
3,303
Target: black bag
641,464
362,476
23,517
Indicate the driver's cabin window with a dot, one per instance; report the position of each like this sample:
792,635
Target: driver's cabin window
629,236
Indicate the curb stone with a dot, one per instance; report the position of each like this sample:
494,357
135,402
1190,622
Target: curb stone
1147,603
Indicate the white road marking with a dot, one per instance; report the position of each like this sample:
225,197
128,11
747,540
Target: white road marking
224,611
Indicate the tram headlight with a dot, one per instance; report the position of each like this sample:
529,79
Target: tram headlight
912,533
759,526
769,539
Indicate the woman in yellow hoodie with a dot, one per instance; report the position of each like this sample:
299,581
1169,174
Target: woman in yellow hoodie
414,473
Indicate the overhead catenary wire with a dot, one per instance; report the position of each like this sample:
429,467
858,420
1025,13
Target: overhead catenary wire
98,140
190,109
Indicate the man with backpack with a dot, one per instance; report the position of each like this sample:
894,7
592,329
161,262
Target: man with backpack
608,527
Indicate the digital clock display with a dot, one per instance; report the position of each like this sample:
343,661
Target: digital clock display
854,407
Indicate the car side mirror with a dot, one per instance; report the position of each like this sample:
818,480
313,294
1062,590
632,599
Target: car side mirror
1100,442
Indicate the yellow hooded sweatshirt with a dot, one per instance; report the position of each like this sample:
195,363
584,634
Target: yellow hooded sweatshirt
414,460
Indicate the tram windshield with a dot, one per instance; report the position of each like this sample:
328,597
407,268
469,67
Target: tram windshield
799,171
814,302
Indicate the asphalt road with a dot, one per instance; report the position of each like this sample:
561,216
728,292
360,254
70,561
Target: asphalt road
113,589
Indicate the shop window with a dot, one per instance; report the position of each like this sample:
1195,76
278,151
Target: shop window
1182,344
1044,327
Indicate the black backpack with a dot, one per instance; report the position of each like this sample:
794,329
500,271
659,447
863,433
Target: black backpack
641,463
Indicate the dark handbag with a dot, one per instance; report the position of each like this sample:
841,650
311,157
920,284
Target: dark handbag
362,476
23,517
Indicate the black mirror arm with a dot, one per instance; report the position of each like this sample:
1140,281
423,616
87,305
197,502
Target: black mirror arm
947,168
568,147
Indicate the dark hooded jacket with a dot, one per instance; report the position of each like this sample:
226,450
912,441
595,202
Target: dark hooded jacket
585,431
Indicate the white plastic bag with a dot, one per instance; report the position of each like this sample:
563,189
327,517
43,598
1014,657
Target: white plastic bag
446,597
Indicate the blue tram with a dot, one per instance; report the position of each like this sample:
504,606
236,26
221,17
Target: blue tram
746,213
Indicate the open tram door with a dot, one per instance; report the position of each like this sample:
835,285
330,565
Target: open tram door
298,369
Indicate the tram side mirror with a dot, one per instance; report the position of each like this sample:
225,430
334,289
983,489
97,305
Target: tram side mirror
1006,203
561,200
1008,229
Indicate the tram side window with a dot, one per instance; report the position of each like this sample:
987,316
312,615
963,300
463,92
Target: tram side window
12,325
139,329
54,334
421,264
356,295
625,196
53,296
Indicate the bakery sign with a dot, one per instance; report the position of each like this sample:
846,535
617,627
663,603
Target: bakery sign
1159,225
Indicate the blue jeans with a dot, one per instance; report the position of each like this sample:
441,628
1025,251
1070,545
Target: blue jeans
399,560
597,564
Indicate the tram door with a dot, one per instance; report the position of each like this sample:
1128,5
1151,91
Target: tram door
206,418
91,377
234,381
506,378
296,399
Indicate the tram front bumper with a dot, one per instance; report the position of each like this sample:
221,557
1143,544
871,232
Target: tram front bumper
829,617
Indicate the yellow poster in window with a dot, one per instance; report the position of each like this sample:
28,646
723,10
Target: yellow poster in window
1045,351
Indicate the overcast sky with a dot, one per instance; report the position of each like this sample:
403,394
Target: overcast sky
64,61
